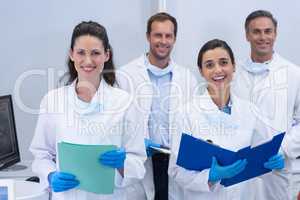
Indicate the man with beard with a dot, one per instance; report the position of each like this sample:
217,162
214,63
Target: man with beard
159,87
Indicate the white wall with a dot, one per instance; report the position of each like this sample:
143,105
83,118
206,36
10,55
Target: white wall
35,35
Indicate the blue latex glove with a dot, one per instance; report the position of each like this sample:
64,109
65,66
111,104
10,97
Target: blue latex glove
218,172
275,162
60,181
148,144
114,158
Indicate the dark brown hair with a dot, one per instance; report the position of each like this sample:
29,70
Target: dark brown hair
259,13
96,30
212,44
161,17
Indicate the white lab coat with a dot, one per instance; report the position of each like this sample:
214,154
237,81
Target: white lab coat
201,118
134,78
277,95
62,119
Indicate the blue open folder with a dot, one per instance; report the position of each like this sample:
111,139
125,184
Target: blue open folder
196,154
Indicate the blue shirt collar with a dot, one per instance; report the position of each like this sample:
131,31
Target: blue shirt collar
227,108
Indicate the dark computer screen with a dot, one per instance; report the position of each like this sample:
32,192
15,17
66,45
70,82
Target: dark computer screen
9,150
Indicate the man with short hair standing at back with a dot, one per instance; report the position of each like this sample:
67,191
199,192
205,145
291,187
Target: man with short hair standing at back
159,87
273,84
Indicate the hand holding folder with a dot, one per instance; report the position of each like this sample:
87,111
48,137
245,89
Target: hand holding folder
82,161
256,157
218,172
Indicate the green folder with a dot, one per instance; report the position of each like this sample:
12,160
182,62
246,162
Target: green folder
82,161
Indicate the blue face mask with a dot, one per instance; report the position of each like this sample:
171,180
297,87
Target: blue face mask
81,107
256,68
158,71
87,108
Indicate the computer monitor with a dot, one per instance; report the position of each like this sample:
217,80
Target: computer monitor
9,149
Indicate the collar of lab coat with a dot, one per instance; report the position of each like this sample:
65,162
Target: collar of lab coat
95,105
276,62
208,104
213,114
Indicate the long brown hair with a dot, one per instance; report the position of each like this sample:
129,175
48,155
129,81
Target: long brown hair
96,30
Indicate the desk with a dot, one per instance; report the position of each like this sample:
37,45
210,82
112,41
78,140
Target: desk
23,174
25,190
22,190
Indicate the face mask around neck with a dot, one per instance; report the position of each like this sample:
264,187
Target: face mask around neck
256,68
158,71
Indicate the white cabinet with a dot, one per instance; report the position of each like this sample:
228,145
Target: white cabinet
24,190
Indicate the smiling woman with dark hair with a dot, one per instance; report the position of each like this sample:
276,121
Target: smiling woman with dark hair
89,110
225,120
